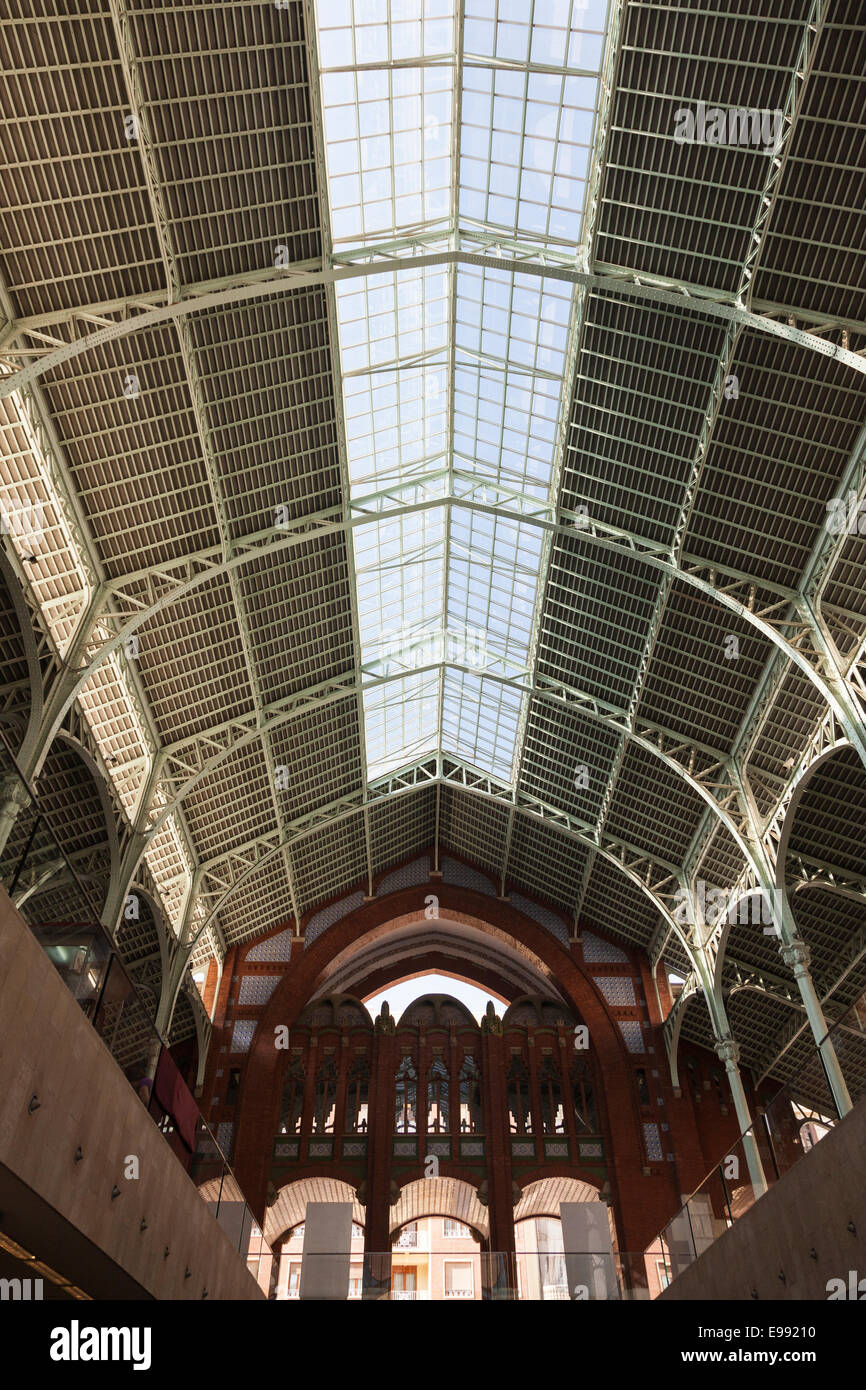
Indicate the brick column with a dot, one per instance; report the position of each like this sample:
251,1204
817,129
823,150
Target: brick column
377,1223
500,1203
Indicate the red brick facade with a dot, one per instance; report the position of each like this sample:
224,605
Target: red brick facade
655,1144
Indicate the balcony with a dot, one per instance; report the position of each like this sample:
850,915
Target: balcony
411,1240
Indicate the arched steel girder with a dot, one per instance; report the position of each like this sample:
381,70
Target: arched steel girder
805,872
825,555
673,1024
121,606
203,1024
138,313
702,958
807,770
193,765
702,767
162,930
109,810
853,954
769,844
694,987
727,1049
655,877
743,976
773,858
30,884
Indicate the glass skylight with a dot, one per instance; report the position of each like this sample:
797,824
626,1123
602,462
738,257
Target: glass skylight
388,129
394,358
452,375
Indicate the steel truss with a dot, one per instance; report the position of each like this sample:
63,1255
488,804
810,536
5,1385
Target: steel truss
785,617
120,318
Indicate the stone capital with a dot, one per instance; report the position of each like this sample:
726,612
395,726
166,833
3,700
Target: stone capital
796,953
728,1051
14,796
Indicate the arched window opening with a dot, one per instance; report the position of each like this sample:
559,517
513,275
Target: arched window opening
438,1099
694,1080
406,1098
358,1098
471,1110
292,1104
326,1098
519,1108
552,1109
584,1098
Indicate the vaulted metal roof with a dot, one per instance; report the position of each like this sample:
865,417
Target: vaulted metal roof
415,444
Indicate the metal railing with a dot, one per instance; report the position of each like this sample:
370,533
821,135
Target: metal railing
786,1129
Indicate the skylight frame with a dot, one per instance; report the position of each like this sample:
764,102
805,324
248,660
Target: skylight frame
507,357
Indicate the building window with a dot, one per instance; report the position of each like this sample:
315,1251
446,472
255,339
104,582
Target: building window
295,1280
292,1106
326,1099
403,1284
358,1099
552,1112
458,1280
455,1230
642,1088
438,1099
406,1098
471,1112
519,1109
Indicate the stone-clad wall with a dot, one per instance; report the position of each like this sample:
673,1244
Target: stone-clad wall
49,1049
809,1209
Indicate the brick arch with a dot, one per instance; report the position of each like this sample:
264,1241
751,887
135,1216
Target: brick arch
543,1201
618,1105
288,1208
444,1196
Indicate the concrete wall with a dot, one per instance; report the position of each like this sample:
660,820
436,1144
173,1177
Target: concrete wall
808,1210
49,1049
